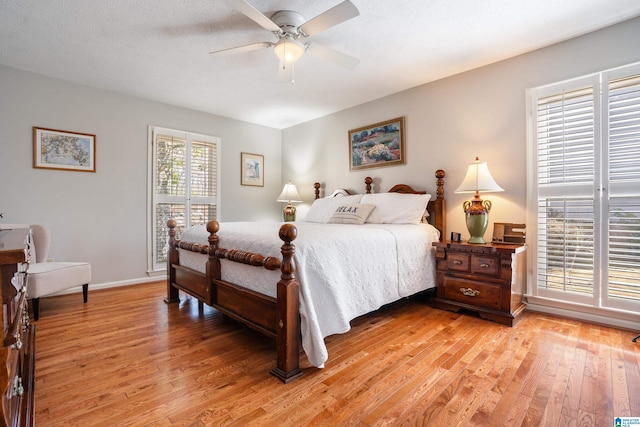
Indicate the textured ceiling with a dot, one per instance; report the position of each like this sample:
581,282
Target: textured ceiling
159,49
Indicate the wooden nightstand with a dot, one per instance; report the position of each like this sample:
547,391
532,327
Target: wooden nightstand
486,278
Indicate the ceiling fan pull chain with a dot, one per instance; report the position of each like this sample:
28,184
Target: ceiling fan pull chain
293,73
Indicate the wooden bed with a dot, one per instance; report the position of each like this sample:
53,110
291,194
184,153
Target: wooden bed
277,317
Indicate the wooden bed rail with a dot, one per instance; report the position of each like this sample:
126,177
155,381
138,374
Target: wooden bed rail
243,257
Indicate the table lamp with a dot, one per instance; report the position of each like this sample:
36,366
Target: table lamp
477,179
289,195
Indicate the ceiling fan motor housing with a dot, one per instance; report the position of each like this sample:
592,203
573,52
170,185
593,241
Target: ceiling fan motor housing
289,21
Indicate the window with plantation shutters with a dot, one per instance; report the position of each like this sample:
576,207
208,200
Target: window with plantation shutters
622,269
584,190
184,185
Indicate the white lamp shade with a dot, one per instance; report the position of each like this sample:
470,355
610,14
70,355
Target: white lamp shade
289,194
478,178
288,50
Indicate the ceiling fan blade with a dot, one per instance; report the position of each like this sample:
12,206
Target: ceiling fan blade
329,18
332,55
243,7
241,49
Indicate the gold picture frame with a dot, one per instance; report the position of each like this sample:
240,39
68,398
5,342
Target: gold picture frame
252,169
64,150
379,144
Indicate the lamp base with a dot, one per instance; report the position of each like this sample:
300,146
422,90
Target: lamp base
477,226
289,213
477,218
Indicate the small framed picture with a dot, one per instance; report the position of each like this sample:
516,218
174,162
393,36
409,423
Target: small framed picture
64,150
252,169
380,144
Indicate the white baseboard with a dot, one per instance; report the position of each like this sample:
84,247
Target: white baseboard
599,316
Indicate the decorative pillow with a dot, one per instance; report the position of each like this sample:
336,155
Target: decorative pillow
351,214
322,209
396,208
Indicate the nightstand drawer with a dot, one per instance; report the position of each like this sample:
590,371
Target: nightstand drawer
458,262
479,294
487,265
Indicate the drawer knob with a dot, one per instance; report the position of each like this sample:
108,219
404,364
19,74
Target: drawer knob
469,292
457,262
25,320
483,265
18,390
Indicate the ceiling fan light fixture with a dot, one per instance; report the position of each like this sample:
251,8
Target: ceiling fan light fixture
288,50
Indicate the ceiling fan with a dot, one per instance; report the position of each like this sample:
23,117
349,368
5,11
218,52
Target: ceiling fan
290,28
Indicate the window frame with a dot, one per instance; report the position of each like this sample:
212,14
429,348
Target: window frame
153,267
601,189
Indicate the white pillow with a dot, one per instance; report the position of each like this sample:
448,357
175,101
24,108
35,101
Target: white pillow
351,214
322,209
396,208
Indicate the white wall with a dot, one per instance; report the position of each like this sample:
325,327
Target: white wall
101,217
450,121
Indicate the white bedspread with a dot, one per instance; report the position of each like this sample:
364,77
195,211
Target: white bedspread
344,271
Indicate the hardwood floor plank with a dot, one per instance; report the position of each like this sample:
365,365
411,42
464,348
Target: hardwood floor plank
519,408
542,391
632,369
127,359
553,410
571,400
604,387
535,370
482,415
504,405
476,390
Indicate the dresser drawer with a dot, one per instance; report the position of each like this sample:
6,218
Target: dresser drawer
458,262
486,265
486,295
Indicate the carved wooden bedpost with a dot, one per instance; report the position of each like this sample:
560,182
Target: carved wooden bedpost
440,205
368,181
172,258
213,263
288,312
316,186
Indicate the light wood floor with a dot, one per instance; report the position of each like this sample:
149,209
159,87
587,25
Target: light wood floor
127,359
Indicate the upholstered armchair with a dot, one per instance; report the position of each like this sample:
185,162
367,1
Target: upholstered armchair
45,278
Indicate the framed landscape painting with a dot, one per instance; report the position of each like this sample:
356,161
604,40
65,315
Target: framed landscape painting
380,144
252,169
65,150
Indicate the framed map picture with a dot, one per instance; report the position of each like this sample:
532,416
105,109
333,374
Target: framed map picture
65,150
252,169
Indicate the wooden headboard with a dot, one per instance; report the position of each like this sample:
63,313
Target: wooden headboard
436,207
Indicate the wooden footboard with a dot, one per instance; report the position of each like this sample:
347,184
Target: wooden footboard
278,317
